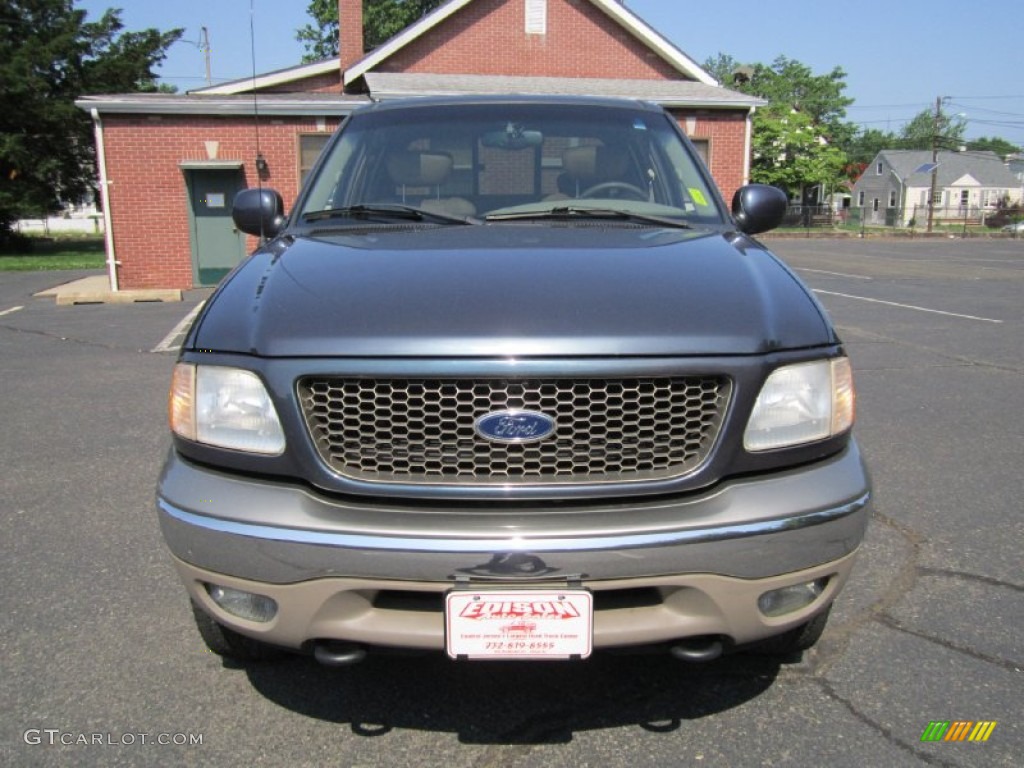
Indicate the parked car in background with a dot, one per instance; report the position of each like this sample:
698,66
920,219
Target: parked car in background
1016,228
511,362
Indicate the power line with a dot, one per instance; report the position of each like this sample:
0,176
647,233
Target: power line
991,111
917,104
986,98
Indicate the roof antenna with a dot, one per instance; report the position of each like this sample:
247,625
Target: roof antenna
261,161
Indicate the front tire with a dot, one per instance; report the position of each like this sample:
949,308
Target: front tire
225,642
796,640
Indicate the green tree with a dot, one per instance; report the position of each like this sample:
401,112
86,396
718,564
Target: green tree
1000,146
382,20
864,145
49,56
923,129
727,70
799,138
320,38
790,152
790,82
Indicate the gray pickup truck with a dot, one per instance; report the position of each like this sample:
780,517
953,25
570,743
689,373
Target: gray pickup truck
511,382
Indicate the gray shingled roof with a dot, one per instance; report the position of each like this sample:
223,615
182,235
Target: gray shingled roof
987,168
193,104
669,93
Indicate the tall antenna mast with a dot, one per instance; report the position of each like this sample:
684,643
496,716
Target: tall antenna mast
261,162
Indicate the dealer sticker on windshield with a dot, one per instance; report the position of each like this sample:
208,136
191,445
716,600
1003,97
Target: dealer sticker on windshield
520,624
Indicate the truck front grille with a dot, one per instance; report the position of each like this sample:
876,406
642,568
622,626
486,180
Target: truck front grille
422,430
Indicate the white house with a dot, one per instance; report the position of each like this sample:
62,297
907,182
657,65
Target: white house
894,188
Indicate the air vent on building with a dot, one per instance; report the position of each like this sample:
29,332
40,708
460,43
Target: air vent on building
536,17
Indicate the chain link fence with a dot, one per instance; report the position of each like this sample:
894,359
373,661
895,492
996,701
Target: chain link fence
962,220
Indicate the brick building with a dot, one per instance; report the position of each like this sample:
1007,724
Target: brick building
170,164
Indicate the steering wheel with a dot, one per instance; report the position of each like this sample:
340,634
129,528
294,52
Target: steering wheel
628,190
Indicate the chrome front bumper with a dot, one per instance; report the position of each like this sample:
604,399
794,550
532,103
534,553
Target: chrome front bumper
749,528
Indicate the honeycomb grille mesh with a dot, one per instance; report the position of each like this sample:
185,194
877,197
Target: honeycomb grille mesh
422,430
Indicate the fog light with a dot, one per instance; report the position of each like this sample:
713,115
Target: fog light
245,605
788,599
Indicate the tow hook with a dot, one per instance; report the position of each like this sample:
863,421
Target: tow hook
697,649
332,653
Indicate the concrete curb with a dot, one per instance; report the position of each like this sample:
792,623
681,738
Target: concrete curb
95,289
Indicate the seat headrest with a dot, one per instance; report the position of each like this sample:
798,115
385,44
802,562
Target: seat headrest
590,163
419,169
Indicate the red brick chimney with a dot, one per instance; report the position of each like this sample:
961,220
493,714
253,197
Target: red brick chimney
350,32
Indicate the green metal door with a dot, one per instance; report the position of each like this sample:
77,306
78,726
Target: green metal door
216,245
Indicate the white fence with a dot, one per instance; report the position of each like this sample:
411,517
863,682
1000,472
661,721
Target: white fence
75,225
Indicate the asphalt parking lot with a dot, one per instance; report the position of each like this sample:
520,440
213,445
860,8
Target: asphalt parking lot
102,666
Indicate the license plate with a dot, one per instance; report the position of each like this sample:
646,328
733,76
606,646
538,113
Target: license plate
519,624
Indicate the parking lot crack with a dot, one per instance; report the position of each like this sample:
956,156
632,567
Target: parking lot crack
954,359
69,339
833,645
886,733
893,623
970,577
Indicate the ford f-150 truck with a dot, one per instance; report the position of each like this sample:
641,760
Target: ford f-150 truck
510,381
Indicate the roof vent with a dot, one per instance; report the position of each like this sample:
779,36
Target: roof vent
536,17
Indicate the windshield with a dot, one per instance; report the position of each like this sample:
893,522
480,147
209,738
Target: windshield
505,162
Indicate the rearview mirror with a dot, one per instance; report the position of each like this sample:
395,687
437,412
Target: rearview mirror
512,137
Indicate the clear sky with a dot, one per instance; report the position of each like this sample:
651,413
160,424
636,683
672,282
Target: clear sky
898,56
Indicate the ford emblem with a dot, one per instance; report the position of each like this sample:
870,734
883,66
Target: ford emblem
514,426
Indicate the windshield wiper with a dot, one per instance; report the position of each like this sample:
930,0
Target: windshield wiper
571,211
387,211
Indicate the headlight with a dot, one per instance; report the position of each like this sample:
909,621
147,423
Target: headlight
226,407
801,404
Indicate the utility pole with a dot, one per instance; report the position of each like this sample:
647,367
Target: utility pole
935,161
204,46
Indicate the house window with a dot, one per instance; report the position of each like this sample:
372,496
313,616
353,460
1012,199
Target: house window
937,197
703,147
860,199
990,198
310,145
878,169
892,198
874,205
965,198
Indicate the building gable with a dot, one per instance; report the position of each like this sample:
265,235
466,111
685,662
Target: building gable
317,77
573,39
490,37
966,181
528,38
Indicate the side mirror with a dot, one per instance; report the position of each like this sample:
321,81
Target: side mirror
258,212
758,208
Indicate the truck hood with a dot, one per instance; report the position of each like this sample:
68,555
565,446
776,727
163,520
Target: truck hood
505,290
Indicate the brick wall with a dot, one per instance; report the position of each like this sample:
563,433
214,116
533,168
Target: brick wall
328,83
149,201
726,133
488,37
